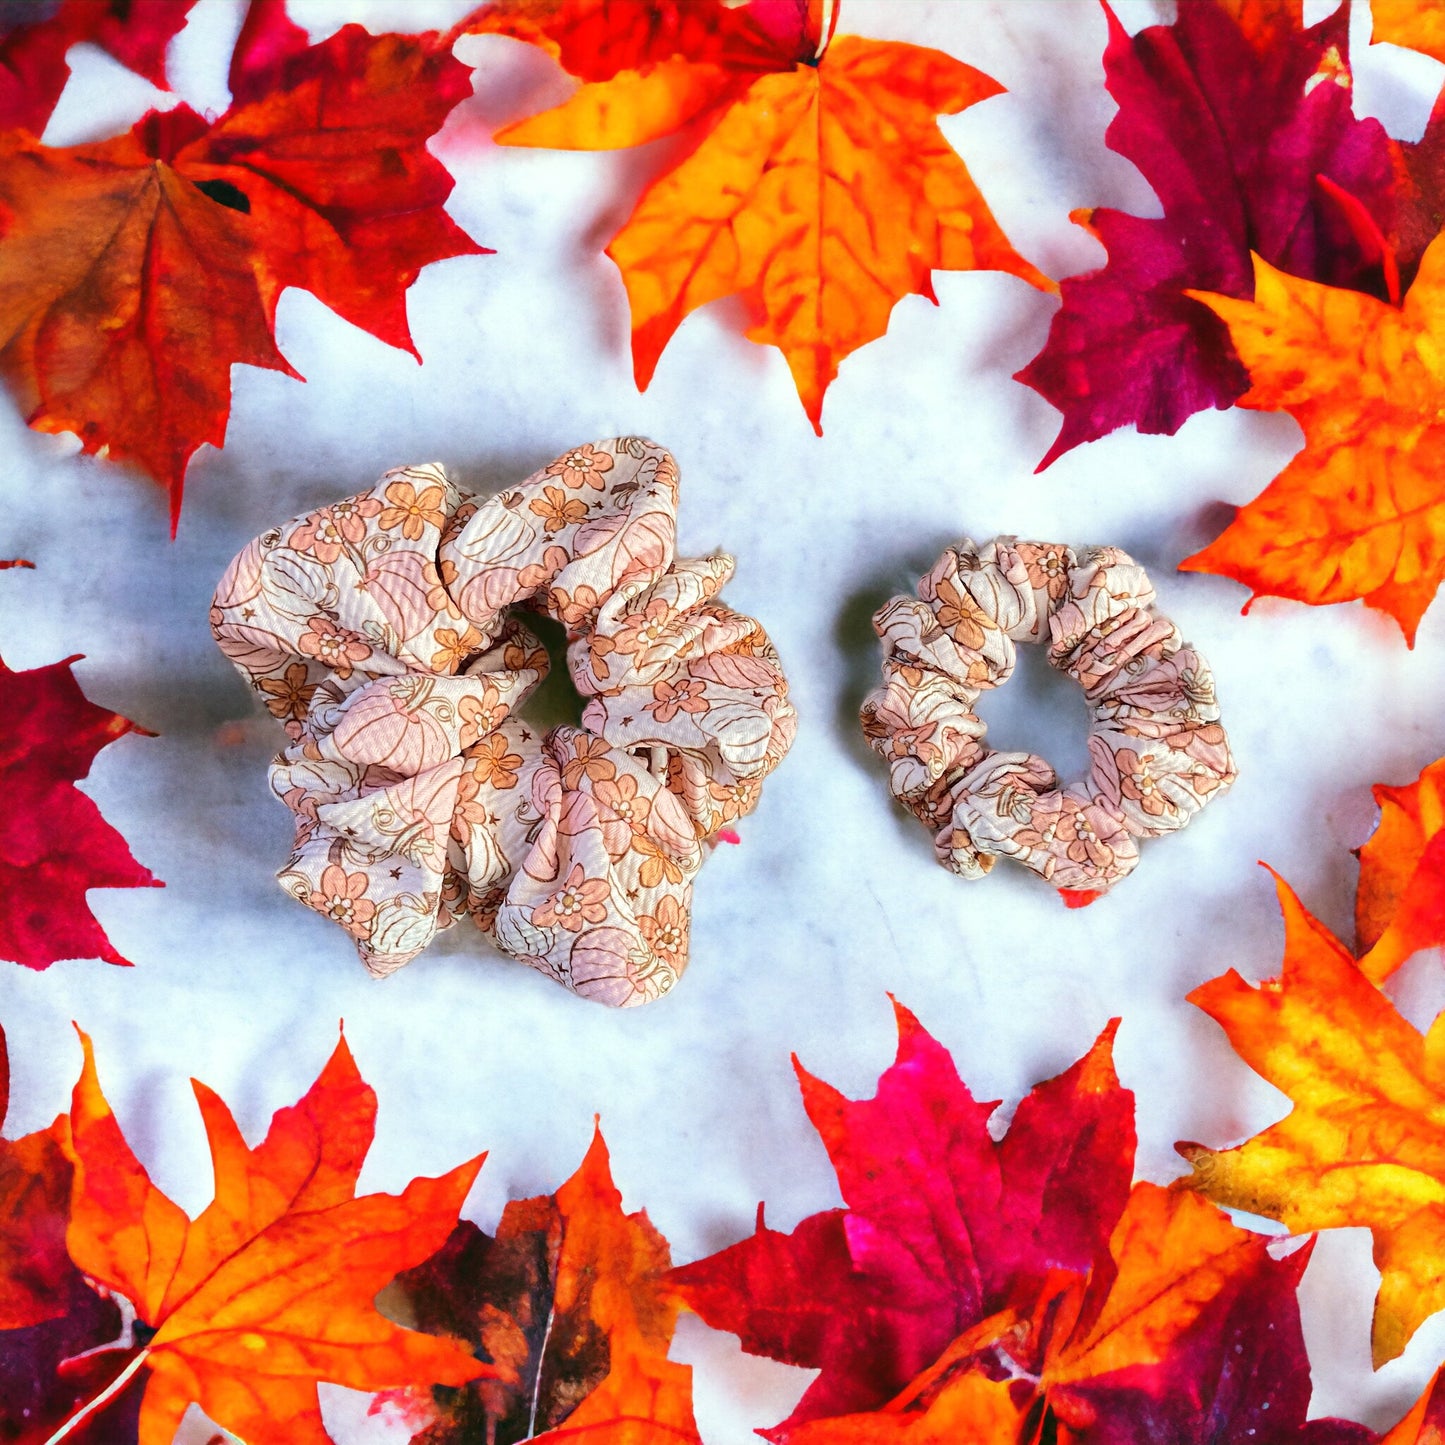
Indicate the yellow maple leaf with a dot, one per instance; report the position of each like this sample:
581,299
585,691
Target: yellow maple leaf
1365,1141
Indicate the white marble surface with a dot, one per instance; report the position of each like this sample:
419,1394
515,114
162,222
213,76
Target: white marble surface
833,897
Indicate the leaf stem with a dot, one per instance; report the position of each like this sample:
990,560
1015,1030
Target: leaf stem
541,1361
101,1400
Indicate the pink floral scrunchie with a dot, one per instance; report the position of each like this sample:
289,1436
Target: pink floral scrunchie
1158,752
377,630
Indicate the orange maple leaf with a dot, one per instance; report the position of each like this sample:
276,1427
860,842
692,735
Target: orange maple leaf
271,1288
1360,512
1363,1144
815,182
1171,1258
136,271
1424,1422
1400,902
1415,24
567,1304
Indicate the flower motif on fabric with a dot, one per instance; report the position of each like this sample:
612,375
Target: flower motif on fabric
591,759
557,510
288,696
454,649
342,898
644,629
622,811
670,698
657,863
960,616
481,715
411,510
580,900
666,930
583,466
494,764
333,645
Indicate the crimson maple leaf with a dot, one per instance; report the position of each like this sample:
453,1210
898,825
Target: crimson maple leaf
33,67
1016,1290
54,844
1232,123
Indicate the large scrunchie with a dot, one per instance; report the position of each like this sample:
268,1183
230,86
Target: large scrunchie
1157,750
377,630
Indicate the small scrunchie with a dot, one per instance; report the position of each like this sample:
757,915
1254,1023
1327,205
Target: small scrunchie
1157,750
377,629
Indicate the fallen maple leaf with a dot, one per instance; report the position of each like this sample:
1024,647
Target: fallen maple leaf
33,66
1188,1333
567,1304
1360,512
35,1271
1424,1422
1415,24
1232,118
136,271
1400,902
50,1318
943,1226
1010,1290
54,844
814,182
270,1289
1362,1144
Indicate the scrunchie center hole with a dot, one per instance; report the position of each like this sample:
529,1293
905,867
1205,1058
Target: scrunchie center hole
1039,710
556,700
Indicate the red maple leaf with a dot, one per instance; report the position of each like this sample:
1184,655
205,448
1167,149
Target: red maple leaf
1233,121
54,844
52,1323
33,67
139,269
1012,1290
942,1228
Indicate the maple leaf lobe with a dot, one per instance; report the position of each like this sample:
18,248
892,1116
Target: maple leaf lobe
54,843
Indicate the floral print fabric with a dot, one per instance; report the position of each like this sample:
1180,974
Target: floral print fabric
378,631
1157,748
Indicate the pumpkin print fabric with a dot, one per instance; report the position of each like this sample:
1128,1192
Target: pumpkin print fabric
378,631
1157,748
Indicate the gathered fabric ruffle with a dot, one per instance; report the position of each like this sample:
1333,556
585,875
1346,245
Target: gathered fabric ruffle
1158,752
380,631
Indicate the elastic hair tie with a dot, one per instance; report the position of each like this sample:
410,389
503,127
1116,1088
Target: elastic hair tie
378,631
1157,750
